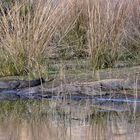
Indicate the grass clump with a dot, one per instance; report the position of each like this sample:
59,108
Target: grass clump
107,20
31,32
25,31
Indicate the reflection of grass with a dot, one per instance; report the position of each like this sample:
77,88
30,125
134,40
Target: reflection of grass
47,117
36,108
29,109
23,108
25,119
20,109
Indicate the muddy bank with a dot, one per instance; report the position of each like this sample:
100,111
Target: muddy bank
21,89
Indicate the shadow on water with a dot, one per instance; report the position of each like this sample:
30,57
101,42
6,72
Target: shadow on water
66,120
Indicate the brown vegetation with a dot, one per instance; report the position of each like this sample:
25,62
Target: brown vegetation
31,31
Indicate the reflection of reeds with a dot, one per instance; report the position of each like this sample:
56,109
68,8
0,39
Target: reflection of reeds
27,130
56,120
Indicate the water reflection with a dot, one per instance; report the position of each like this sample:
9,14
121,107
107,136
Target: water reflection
73,122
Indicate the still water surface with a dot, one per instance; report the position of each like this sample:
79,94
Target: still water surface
73,122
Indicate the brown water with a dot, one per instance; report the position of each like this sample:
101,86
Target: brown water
73,122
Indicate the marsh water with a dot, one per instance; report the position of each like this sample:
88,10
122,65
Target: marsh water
57,120
71,120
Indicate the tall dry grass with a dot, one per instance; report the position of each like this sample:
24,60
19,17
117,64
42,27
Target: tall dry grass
107,20
132,31
26,29
104,31
31,31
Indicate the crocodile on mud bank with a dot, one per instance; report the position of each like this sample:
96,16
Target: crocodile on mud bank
108,94
33,89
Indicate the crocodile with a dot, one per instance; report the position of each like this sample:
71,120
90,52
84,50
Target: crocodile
18,84
98,91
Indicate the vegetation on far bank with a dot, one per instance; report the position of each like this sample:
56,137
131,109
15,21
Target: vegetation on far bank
32,33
